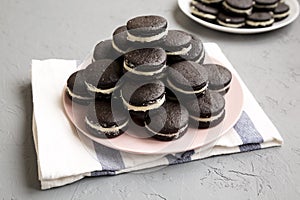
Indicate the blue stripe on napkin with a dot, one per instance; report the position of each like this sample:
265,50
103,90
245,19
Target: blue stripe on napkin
249,135
249,147
103,173
110,159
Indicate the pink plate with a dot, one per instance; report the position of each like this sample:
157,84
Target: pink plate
194,138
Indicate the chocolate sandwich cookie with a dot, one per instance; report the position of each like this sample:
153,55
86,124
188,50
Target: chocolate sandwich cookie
204,11
105,50
231,20
196,53
147,30
102,77
105,121
177,44
281,11
265,5
140,97
219,78
76,88
145,63
207,111
260,20
119,41
240,7
187,79
169,122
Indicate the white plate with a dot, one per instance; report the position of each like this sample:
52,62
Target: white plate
194,138
184,5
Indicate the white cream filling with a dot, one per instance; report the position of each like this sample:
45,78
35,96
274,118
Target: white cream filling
198,60
117,48
282,15
155,105
247,11
195,11
134,71
211,1
230,25
134,38
208,119
222,89
266,6
264,23
186,92
181,52
77,96
92,88
201,56
100,128
175,135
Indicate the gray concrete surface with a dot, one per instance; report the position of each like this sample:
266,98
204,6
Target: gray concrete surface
269,63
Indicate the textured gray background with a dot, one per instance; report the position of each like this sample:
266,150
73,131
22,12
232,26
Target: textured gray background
269,63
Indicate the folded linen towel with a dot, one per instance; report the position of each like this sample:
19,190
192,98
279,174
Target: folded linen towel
64,157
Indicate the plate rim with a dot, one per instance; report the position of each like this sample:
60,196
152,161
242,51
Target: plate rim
294,13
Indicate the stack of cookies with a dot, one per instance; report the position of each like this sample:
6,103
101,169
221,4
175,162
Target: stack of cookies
150,76
240,13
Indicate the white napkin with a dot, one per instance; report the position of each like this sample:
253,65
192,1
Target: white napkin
63,157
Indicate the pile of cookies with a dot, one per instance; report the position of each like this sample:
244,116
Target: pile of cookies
240,13
153,77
